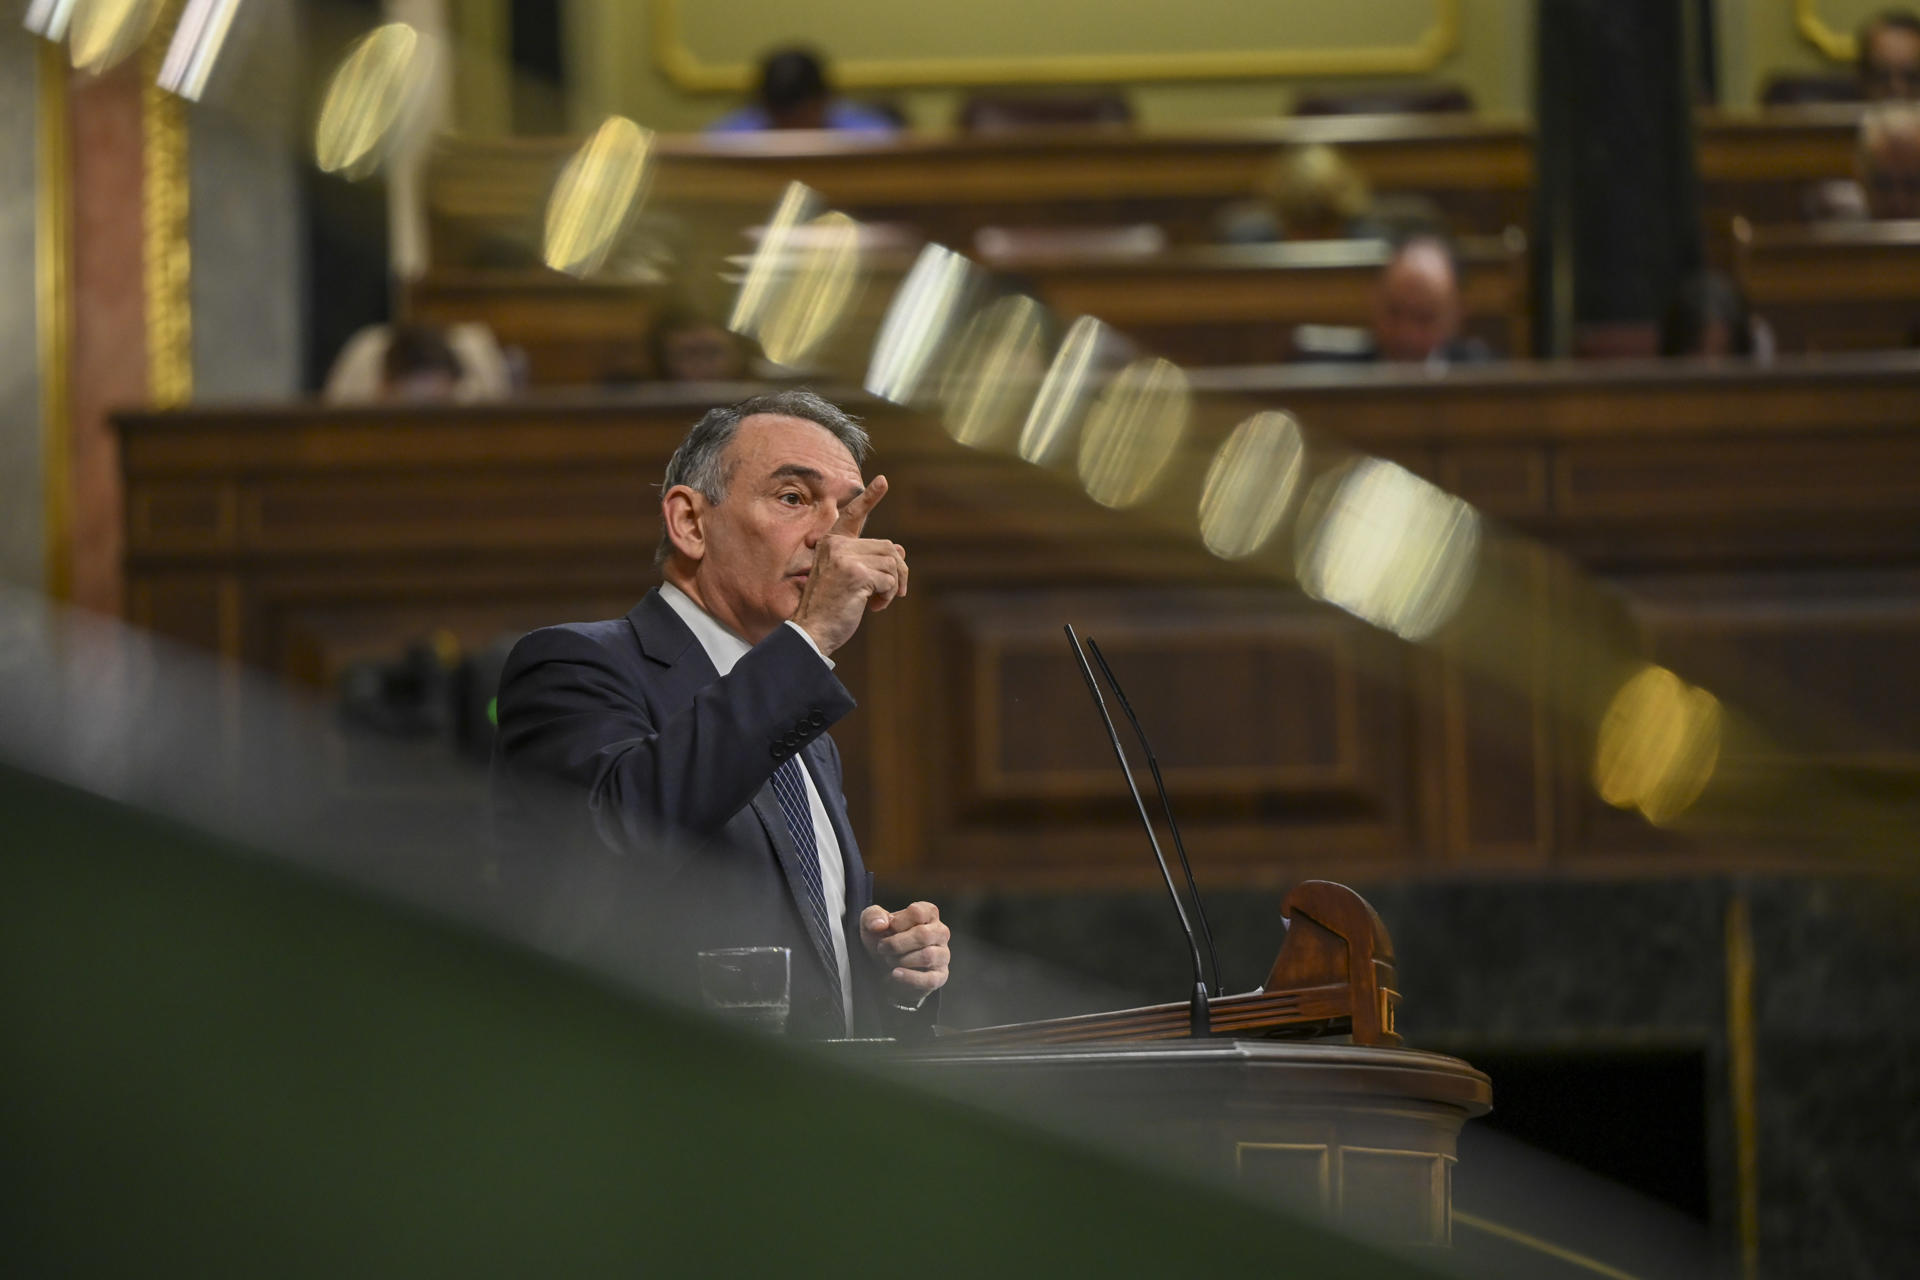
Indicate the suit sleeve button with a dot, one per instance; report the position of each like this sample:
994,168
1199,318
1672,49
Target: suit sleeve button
816,721
779,751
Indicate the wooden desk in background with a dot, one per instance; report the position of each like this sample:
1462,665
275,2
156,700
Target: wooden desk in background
486,197
1847,286
1764,526
1199,305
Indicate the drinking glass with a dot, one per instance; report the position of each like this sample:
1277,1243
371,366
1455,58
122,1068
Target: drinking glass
751,986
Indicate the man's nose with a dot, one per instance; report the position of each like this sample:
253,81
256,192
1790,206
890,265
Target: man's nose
829,515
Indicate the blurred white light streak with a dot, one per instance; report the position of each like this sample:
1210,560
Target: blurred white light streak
49,18
917,323
749,305
1064,394
196,45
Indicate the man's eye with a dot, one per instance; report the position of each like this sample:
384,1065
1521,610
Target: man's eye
792,499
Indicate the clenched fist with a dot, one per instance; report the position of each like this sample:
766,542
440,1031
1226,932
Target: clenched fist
851,574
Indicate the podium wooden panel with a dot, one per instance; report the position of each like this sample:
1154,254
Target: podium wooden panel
1364,1136
1850,286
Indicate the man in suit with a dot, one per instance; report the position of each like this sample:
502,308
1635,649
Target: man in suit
692,732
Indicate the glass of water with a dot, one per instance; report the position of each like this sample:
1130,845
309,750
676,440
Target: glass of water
751,986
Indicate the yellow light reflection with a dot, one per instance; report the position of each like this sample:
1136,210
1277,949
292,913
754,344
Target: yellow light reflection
1389,548
372,98
1132,432
1659,744
102,33
596,197
991,379
1250,485
1064,394
769,263
817,288
917,323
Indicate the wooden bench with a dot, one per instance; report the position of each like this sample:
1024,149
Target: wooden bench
1833,286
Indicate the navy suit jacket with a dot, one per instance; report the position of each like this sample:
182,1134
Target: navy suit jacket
670,763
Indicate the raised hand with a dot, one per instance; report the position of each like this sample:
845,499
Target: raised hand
850,574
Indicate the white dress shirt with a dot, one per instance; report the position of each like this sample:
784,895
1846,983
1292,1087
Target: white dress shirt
724,649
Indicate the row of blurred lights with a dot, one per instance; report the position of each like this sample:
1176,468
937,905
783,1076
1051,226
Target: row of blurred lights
100,34
1369,536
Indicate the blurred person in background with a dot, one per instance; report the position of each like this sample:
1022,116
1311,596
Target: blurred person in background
796,93
1889,56
419,364
702,716
690,346
1417,310
1889,160
1309,192
1708,316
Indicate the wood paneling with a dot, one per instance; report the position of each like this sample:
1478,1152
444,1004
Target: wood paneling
1833,286
1762,527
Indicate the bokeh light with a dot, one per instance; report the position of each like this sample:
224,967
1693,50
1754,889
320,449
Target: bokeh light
1250,485
373,100
1658,746
917,323
101,33
815,289
1065,393
1132,432
1388,547
596,197
993,375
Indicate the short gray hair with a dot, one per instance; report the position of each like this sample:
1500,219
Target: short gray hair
699,462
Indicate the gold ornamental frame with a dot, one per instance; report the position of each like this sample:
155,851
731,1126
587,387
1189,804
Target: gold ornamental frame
687,71
1816,31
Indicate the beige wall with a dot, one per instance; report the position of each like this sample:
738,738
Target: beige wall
614,69
1760,37
613,63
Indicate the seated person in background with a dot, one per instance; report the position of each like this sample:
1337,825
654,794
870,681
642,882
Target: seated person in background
1708,316
689,346
1890,160
1416,307
795,94
1310,193
1416,314
1889,53
419,364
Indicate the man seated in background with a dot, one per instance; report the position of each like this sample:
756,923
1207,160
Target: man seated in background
1417,309
1708,316
419,364
796,94
690,346
1890,160
1309,192
1889,56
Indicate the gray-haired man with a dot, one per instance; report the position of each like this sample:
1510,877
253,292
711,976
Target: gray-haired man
704,712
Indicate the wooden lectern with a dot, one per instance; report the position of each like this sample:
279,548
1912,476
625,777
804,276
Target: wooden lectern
1303,1092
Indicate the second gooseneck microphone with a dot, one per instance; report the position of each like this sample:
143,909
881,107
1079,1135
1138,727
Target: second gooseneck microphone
1200,1026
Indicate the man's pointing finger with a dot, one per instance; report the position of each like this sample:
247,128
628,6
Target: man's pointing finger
853,517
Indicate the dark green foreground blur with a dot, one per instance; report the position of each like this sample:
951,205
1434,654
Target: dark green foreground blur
216,1064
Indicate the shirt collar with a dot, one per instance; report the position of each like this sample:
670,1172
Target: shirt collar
723,647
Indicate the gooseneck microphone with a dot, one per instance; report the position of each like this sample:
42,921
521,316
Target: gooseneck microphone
1166,807
1199,1026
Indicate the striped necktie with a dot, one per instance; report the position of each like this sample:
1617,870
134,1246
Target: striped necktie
790,789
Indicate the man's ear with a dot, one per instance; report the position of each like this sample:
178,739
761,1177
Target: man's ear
684,511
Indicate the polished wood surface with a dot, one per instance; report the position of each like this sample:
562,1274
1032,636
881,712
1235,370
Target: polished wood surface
1842,286
1333,976
1362,1135
1759,531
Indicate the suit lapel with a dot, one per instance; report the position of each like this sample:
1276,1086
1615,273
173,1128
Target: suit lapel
665,639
